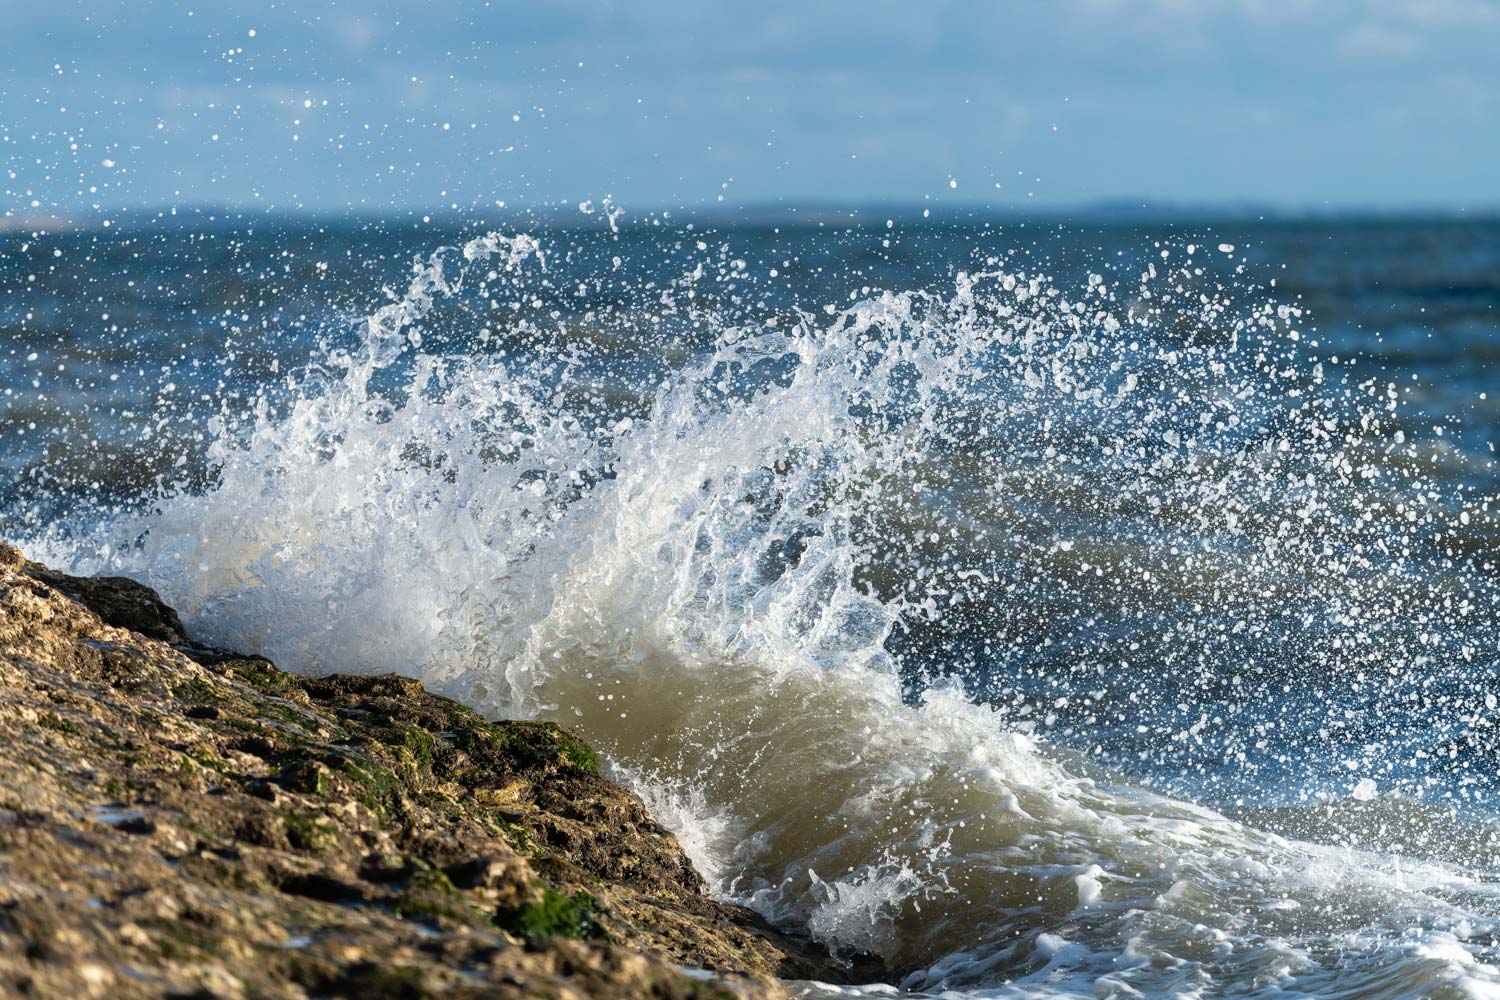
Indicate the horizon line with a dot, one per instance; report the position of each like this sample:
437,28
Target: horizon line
804,212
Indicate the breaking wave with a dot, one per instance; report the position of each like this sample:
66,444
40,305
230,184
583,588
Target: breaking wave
896,610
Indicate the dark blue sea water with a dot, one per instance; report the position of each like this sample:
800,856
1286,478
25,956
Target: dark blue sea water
114,315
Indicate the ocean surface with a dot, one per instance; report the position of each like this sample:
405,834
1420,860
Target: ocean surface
1096,609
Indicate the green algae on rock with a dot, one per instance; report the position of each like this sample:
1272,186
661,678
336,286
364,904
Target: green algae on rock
178,820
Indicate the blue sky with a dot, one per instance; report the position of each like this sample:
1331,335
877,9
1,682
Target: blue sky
1044,103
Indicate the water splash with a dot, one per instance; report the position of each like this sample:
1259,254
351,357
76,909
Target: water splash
821,586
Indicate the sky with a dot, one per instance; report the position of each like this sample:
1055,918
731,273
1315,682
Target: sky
340,105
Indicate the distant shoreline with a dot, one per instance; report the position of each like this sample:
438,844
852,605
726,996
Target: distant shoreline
567,217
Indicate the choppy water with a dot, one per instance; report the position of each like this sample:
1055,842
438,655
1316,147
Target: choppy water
1054,611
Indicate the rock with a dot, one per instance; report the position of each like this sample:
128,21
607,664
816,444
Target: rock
119,602
179,821
488,872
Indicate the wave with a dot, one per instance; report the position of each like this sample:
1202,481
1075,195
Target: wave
822,586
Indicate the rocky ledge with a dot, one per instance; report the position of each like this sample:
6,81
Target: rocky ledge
182,821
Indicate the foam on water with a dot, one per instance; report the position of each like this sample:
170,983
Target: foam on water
737,595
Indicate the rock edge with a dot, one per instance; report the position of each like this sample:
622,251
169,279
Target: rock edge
182,821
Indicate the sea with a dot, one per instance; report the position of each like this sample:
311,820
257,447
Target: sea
1076,606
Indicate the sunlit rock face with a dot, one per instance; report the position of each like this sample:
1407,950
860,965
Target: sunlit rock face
178,818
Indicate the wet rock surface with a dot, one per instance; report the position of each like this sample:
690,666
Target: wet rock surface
182,821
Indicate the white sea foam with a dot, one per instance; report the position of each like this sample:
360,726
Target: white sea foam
706,593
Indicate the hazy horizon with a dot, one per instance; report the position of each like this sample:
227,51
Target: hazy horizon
567,215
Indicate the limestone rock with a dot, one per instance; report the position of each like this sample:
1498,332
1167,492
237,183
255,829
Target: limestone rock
177,820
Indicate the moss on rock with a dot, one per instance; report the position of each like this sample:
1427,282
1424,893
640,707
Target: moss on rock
554,915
